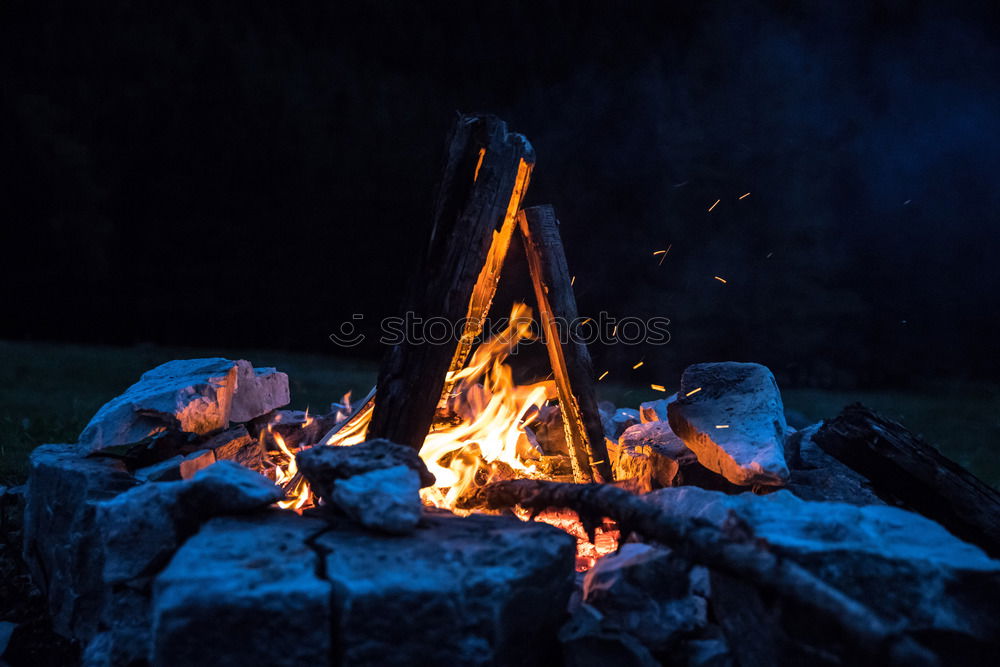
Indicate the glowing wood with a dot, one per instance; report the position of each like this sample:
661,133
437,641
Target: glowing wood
571,364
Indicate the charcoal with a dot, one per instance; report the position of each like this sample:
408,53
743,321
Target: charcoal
731,416
238,446
197,396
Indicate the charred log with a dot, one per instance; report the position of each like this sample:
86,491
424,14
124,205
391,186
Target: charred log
903,468
485,175
570,362
732,550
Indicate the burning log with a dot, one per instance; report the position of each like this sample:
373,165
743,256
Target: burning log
571,362
902,467
733,550
485,176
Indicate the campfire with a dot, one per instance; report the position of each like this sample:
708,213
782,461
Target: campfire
453,515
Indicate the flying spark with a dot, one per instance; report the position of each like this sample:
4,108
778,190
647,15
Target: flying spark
572,281
721,280
693,392
603,375
638,364
714,205
745,196
722,426
665,253
657,387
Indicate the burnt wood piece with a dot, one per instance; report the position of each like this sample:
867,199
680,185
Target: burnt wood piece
903,468
733,550
363,408
571,366
480,188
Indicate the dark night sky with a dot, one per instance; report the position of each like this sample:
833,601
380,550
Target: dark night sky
251,173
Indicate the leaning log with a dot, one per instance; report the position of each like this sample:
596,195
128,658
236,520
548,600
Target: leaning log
571,366
732,549
902,468
484,178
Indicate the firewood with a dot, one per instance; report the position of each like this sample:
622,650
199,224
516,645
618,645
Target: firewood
903,468
361,408
732,550
485,176
571,364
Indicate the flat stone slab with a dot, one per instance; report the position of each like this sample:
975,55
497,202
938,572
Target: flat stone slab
902,565
244,591
192,395
476,590
730,415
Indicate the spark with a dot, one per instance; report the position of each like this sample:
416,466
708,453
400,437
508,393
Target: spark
693,392
603,375
722,426
597,462
659,252
721,280
657,387
638,364
572,281
584,322
614,332
745,196
714,205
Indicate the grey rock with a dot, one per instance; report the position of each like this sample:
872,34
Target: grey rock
616,422
141,528
657,436
713,652
244,591
193,395
586,643
386,499
818,476
905,567
473,590
733,420
196,461
655,411
61,540
325,464
646,592
6,630
649,453
258,391
125,630
237,445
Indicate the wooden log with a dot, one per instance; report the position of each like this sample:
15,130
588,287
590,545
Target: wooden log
902,467
361,411
732,549
484,178
571,366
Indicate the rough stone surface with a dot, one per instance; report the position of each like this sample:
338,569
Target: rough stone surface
905,567
655,411
61,540
141,528
734,422
244,591
258,391
192,395
616,422
386,499
237,445
324,465
649,453
164,471
473,590
646,592
818,476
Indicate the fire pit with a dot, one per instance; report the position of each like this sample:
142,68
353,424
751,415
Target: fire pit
455,516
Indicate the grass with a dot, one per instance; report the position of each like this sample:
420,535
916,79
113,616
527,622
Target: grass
48,393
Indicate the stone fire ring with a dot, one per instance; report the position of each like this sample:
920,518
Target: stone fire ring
268,586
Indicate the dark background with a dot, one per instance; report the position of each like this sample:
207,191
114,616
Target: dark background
251,173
